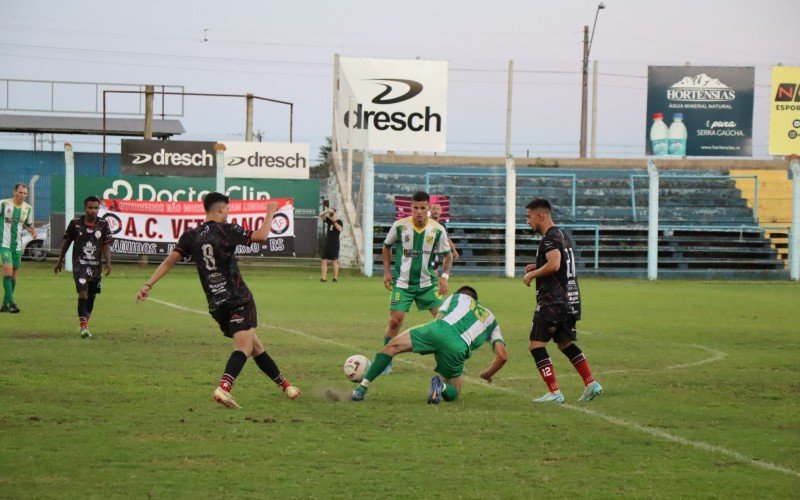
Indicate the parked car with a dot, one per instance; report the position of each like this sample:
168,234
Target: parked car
36,249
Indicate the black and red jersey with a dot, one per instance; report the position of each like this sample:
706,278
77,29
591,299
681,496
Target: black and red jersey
212,246
558,292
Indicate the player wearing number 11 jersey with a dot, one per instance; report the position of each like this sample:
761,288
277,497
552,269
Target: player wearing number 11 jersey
558,303
212,247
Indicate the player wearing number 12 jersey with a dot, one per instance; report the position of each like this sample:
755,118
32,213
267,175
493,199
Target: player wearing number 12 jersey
558,303
212,247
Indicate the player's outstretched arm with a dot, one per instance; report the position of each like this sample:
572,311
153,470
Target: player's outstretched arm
447,262
261,234
163,269
500,358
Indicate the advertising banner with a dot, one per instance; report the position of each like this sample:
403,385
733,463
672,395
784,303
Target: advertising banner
398,104
153,227
305,192
266,160
784,111
402,206
180,158
699,111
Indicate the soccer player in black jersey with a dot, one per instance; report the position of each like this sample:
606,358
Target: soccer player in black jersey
212,246
558,303
92,237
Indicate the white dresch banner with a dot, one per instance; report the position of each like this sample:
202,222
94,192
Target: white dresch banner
153,227
398,104
266,160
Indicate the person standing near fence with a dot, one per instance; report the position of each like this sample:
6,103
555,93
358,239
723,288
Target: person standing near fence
330,252
558,303
436,214
16,215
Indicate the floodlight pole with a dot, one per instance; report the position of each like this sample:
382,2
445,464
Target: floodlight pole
511,185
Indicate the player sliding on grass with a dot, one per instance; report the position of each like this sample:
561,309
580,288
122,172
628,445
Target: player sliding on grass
212,246
558,303
461,326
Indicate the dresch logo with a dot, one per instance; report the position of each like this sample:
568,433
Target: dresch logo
269,161
395,90
164,158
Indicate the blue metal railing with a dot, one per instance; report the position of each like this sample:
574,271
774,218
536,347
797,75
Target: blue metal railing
573,177
497,225
688,176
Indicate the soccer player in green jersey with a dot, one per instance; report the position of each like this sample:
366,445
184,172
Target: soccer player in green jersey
461,326
16,215
416,240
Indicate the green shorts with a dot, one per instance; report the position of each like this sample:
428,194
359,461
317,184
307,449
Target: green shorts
11,257
447,346
426,298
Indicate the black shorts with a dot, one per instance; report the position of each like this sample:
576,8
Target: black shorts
236,319
331,251
556,327
87,279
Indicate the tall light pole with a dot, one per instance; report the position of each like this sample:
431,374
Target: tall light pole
587,48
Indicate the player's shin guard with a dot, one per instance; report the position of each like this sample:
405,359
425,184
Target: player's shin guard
268,366
578,360
232,370
450,393
545,367
381,361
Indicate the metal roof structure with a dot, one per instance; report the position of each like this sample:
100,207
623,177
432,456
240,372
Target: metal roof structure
75,125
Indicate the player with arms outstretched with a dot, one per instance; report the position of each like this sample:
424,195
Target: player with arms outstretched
92,237
558,303
461,326
212,246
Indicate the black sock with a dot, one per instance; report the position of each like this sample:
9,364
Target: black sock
232,369
82,308
572,352
90,304
268,366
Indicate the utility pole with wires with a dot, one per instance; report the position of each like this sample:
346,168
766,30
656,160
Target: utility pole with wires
587,48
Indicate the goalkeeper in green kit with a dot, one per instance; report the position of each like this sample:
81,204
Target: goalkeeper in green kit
461,326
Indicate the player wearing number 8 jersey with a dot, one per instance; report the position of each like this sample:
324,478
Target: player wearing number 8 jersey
558,303
212,247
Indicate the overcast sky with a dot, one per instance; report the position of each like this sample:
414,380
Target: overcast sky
284,50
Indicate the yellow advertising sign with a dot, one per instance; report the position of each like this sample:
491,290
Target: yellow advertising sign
784,111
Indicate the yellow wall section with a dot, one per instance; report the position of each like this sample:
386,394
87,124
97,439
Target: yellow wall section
774,203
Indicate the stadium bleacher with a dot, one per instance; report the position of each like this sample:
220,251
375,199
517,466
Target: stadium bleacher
706,228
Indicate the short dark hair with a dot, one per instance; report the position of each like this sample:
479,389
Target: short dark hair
90,198
421,196
213,198
468,290
539,204
17,185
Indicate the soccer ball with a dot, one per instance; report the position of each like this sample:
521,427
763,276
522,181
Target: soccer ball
356,367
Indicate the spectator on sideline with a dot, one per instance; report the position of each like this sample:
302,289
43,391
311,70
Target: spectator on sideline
330,251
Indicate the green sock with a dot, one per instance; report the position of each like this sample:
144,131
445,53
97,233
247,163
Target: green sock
8,289
450,393
379,364
13,284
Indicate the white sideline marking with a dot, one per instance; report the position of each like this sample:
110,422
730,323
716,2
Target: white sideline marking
608,418
715,356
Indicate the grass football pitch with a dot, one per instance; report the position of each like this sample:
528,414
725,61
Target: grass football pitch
701,378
